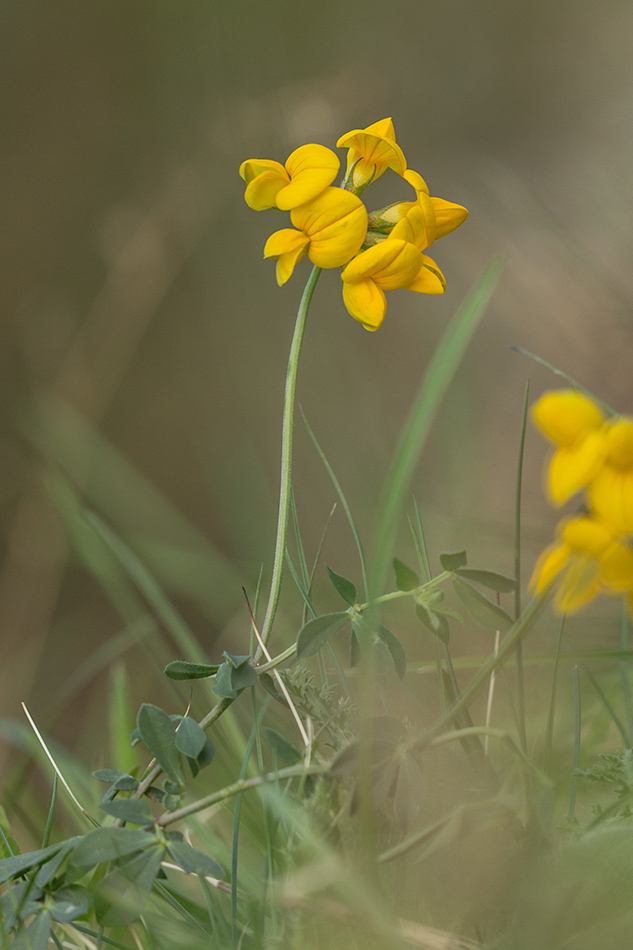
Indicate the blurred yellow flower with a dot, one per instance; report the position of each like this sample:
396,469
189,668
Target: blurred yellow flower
575,424
394,263
589,558
611,490
330,229
371,152
308,171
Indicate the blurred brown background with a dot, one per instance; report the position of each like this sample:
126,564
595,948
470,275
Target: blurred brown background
144,339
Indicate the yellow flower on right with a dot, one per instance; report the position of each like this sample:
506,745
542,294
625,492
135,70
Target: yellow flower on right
593,454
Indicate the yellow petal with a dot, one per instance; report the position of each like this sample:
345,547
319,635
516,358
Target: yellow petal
448,216
372,151
579,584
586,535
429,279
311,169
264,179
416,181
289,247
418,225
616,565
573,468
366,303
392,264
620,444
564,414
336,223
549,565
611,497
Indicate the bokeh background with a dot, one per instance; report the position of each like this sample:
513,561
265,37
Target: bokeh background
144,339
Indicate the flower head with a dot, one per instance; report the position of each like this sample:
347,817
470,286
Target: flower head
575,424
330,229
308,171
441,217
588,558
371,152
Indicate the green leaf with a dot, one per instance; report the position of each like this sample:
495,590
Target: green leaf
106,844
491,579
184,670
48,870
436,622
122,781
481,609
193,861
232,677
157,732
268,683
70,903
406,579
190,738
315,633
135,810
37,934
346,588
121,896
451,560
18,863
204,758
237,661
282,748
8,844
396,650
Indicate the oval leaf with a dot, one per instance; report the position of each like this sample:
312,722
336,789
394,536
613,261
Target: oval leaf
106,844
281,747
129,809
190,737
451,560
157,732
346,588
436,623
184,670
193,861
483,611
406,579
317,632
396,650
491,579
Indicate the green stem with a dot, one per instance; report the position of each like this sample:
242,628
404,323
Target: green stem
242,785
286,455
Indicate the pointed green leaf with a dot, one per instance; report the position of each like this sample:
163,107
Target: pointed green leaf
157,732
48,870
19,863
282,748
222,686
236,661
406,579
451,560
234,676
70,903
121,896
204,757
190,737
436,622
268,683
491,579
37,934
395,649
106,844
136,810
8,844
481,609
193,861
184,670
346,588
317,632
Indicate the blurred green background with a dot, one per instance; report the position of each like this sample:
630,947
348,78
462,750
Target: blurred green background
144,339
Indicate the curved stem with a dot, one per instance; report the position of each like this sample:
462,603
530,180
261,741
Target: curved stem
286,456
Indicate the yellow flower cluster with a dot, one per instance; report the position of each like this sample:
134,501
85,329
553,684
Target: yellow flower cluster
378,251
593,454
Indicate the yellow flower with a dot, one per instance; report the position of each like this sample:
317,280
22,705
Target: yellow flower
392,264
330,229
574,423
588,559
441,216
309,170
611,490
371,151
